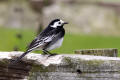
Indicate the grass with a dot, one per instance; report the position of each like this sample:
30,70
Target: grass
74,42
8,38
8,41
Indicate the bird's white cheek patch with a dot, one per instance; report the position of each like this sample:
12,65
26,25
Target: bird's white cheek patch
61,21
54,25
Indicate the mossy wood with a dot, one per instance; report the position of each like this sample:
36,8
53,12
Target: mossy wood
59,67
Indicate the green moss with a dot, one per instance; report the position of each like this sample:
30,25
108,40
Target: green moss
95,62
37,69
4,62
40,68
69,62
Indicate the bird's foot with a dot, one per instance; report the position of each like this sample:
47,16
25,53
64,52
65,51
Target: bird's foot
45,54
54,54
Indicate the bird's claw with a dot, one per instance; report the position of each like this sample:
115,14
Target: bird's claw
54,54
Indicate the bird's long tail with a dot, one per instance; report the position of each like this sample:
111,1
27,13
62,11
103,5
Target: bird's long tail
19,58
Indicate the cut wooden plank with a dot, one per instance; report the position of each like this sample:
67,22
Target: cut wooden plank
99,52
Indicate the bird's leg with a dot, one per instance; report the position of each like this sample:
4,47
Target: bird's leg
47,52
51,54
44,53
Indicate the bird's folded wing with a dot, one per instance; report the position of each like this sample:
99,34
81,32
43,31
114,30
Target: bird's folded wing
41,40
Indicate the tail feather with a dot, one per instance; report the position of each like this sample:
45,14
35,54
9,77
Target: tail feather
19,58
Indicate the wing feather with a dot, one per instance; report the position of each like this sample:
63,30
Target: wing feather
42,40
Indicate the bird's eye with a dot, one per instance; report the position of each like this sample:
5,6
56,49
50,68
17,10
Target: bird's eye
59,22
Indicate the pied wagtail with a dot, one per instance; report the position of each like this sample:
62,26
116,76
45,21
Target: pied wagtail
49,39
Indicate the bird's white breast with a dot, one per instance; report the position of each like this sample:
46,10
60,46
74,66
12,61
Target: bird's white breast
56,45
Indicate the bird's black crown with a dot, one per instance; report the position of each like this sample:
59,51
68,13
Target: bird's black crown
53,21
57,23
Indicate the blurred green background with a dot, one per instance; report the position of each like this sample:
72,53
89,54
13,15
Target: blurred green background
92,23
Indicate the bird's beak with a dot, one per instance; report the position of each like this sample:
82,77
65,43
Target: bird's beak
65,23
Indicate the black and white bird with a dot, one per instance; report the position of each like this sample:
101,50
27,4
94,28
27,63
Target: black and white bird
50,38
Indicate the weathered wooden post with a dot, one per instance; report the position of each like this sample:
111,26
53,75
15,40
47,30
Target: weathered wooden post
59,67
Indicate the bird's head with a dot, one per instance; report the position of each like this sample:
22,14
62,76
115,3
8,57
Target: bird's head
57,23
